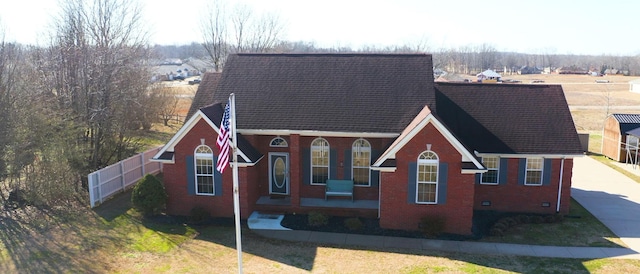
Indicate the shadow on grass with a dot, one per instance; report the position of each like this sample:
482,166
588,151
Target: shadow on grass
114,207
30,248
45,240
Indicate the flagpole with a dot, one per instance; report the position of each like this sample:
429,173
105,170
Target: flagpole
236,194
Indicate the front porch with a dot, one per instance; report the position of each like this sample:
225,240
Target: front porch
317,202
332,206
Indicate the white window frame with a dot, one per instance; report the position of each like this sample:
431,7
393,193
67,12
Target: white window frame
533,169
426,158
327,151
204,152
357,147
278,142
496,169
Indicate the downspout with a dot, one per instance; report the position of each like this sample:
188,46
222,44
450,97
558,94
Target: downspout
379,193
560,185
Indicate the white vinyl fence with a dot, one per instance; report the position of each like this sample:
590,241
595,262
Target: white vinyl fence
116,178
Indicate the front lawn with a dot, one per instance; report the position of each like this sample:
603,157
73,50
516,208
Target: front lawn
578,228
116,239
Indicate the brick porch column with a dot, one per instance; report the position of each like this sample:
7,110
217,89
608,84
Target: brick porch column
295,177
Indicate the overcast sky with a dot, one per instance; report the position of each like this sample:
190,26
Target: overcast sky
549,26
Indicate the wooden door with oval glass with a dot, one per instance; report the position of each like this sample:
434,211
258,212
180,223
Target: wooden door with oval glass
279,173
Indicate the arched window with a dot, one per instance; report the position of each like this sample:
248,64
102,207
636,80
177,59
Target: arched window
319,161
203,158
427,179
360,162
278,142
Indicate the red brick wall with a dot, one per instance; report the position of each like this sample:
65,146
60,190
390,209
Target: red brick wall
253,181
398,213
512,197
175,178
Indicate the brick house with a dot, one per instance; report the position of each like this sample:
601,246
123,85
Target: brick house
411,147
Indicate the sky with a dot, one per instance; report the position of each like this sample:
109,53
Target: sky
541,26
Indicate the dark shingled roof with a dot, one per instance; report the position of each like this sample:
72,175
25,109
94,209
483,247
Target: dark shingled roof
382,93
327,92
214,113
204,94
520,119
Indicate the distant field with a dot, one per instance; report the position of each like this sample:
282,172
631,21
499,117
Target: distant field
588,100
184,92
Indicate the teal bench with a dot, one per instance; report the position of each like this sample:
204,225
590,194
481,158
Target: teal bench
339,188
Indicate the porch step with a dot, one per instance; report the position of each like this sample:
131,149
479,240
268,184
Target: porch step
339,203
267,221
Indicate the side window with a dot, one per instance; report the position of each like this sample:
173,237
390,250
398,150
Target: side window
319,161
493,167
360,162
534,172
427,178
203,158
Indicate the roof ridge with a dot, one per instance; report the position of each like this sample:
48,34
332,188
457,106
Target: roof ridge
336,54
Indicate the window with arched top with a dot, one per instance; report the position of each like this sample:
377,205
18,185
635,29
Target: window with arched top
319,161
278,142
203,158
360,162
427,178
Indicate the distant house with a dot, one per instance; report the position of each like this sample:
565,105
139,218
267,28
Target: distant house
611,71
615,136
489,76
173,69
529,70
634,85
571,70
409,148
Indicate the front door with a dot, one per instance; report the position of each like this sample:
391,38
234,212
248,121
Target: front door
279,173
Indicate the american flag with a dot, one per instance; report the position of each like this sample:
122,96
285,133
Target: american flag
223,140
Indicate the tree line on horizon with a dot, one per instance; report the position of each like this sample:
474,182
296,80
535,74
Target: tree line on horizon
470,59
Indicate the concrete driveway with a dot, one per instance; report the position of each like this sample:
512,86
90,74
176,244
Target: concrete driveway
610,196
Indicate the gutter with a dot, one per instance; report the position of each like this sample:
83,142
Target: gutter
560,185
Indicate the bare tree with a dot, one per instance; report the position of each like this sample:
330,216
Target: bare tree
8,54
264,33
98,73
237,29
214,33
165,103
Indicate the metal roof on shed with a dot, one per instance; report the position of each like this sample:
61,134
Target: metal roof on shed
627,118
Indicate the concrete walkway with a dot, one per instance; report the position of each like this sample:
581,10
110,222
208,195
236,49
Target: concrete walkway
449,246
610,196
